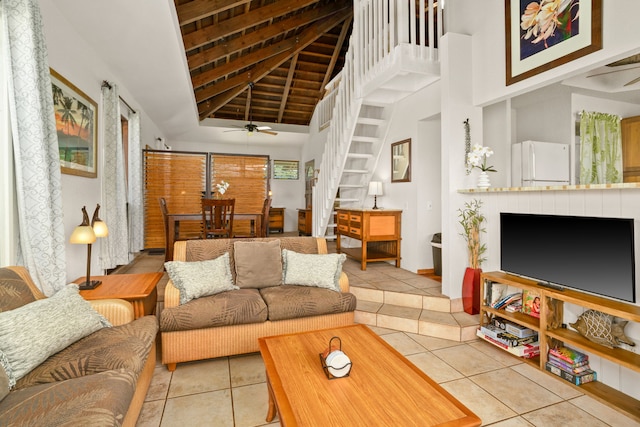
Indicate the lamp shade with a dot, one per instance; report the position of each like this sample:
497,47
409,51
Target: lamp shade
100,229
83,234
375,188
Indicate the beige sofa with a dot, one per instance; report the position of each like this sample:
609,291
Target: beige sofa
99,380
185,335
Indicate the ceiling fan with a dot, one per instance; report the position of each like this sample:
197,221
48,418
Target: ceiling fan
250,128
634,59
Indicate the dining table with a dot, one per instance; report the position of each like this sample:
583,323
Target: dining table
174,220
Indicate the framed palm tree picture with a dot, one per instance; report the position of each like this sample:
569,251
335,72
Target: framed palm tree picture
77,128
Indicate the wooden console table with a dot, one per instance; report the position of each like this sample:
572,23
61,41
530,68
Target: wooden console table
304,222
276,220
377,229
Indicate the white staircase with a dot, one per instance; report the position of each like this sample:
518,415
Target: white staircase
391,55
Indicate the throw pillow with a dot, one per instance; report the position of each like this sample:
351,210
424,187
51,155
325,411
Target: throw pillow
258,264
320,270
201,278
33,332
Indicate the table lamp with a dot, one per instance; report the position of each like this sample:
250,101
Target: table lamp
86,233
375,190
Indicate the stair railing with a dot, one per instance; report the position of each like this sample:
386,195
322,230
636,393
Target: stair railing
379,28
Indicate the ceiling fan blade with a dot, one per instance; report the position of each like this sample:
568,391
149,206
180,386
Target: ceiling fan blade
634,81
263,128
267,131
614,71
234,130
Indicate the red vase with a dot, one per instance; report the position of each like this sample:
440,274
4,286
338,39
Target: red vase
471,290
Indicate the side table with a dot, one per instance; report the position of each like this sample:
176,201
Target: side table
139,289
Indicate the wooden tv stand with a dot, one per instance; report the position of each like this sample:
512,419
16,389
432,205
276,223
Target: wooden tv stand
551,331
377,229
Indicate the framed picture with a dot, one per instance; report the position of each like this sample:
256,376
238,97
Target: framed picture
401,161
286,169
539,40
77,128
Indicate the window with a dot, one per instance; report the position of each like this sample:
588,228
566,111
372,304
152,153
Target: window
286,169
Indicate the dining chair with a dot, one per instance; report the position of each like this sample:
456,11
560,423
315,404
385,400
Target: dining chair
264,229
217,218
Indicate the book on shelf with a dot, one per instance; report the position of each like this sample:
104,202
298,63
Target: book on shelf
513,307
569,365
531,303
504,337
568,354
526,351
513,328
509,299
577,379
566,367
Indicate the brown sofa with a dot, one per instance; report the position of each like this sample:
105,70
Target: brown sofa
231,322
99,380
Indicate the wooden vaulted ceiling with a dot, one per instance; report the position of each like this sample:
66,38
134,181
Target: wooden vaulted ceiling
289,49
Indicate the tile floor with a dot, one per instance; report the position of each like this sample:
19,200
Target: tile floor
501,390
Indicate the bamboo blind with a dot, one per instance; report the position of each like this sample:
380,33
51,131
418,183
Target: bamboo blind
180,177
248,178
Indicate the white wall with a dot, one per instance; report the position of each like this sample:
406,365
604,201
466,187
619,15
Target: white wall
288,194
74,59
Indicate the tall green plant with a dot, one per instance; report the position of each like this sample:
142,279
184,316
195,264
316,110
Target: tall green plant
471,220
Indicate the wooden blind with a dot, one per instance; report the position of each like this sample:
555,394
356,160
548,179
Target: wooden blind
248,178
180,179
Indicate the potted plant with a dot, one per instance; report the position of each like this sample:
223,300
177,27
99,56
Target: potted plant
471,220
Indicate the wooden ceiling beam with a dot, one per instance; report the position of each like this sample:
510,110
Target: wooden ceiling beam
199,9
270,31
287,86
228,89
242,22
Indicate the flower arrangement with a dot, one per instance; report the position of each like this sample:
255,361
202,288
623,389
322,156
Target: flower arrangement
471,220
477,158
222,187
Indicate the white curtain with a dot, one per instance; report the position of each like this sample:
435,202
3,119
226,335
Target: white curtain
136,208
35,142
115,247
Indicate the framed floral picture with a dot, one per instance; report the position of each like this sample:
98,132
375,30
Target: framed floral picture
541,35
401,161
77,128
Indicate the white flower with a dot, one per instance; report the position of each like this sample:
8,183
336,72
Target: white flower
222,186
477,158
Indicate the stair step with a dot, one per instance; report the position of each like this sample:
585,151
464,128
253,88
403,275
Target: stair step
359,155
351,186
370,121
344,199
361,138
363,171
458,326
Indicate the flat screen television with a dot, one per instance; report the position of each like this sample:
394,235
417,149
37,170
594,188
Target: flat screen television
590,254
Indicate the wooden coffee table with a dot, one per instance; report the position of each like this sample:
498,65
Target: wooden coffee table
383,388
139,289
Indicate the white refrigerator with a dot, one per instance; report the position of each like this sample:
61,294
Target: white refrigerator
537,163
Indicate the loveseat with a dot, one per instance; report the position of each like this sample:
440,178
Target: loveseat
271,286
65,361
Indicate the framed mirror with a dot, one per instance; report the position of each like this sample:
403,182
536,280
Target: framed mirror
401,161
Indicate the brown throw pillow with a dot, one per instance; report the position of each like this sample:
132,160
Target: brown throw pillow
258,264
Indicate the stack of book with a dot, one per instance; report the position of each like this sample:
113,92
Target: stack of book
570,365
521,346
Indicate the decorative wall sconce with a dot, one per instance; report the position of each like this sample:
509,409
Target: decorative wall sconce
375,190
86,233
